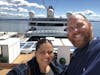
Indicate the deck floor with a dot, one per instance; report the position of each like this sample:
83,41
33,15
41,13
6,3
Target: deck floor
22,58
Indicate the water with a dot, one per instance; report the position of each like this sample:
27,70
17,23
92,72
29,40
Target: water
96,28
14,25
23,25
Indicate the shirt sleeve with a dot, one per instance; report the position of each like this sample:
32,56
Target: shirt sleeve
94,68
19,70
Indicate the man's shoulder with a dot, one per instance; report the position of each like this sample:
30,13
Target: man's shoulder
94,46
95,42
97,38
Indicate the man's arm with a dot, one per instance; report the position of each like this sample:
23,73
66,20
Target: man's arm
94,68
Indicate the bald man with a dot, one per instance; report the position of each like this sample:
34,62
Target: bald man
86,57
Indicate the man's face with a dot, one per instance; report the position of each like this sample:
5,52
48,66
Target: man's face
79,31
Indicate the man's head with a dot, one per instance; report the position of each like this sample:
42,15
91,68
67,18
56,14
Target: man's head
79,30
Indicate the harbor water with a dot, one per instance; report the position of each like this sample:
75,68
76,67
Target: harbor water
23,25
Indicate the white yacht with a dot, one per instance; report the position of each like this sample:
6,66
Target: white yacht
49,26
54,29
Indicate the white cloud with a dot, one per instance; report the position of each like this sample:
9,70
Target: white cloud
3,13
89,14
7,9
95,17
4,3
8,15
20,7
41,15
61,16
13,1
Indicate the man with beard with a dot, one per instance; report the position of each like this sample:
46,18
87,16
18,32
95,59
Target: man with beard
86,57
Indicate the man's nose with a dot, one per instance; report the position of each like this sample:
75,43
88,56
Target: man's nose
75,29
46,54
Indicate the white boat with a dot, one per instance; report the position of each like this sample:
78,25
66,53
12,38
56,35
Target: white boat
54,29
47,27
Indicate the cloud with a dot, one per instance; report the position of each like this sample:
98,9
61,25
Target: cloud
21,3
61,16
7,9
8,15
89,14
20,7
40,15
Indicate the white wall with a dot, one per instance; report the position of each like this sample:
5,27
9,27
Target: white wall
64,52
11,48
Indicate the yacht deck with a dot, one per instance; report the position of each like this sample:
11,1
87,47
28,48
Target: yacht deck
22,58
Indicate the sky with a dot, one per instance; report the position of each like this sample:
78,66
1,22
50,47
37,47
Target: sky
21,8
